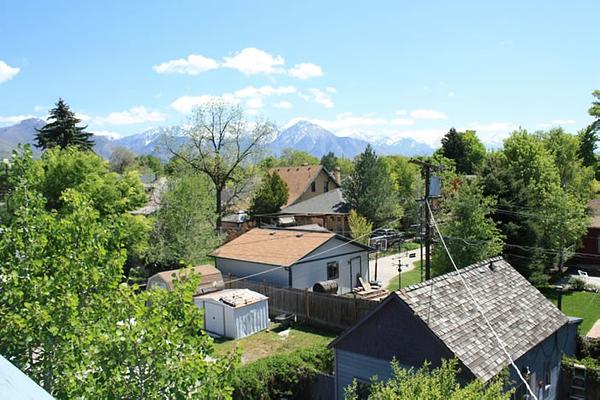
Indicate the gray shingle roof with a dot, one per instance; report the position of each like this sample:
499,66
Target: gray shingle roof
519,313
331,202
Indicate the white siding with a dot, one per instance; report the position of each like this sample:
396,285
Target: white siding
350,366
306,274
234,323
279,277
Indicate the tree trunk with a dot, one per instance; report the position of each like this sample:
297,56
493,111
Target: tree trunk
219,208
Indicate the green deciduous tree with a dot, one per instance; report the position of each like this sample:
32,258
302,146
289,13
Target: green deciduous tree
407,185
121,159
471,233
360,227
438,384
294,158
221,143
369,189
270,196
62,130
70,325
184,230
329,161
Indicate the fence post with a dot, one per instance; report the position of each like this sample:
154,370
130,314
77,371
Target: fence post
306,304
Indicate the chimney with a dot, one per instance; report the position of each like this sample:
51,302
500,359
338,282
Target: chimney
337,174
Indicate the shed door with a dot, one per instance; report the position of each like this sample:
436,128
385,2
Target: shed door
214,319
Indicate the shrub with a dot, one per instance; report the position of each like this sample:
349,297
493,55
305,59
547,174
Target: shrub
592,365
577,284
283,375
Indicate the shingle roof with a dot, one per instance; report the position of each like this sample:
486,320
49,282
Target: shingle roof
298,179
594,207
211,278
273,246
519,313
331,202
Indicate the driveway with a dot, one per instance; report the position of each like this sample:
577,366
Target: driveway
387,267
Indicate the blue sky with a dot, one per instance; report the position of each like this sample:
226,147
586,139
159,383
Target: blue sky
376,69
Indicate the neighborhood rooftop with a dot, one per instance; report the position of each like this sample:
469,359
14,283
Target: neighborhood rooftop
331,202
517,311
273,246
298,179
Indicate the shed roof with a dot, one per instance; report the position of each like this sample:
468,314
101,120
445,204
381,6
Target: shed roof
298,179
521,315
273,246
234,298
210,276
331,202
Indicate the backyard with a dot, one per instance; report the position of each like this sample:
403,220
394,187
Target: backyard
408,278
582,304
275,340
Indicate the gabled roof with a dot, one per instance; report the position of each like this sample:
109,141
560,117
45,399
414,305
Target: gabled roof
234,298
594,208
211,278
331,202
298,179
518,312
273,246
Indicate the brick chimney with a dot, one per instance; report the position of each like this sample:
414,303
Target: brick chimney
337,174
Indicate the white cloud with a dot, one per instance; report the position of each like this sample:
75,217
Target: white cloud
402,121
192,65
283,104
556,123
135,115
82,116
252,61
7,72
451,94
320,97
39,109
428,114
305,71
401,112
254,97
108,134
13,119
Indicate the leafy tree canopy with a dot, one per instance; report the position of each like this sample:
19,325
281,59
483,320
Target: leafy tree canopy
62,130
465,149
360,227
437,384
294,158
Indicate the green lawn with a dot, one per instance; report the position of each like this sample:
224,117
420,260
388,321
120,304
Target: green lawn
585,305
408,278
269,342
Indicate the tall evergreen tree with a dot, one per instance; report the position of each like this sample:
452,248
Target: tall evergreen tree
62,130
369,189
329,161
272,194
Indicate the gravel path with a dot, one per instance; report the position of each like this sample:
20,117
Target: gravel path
387,267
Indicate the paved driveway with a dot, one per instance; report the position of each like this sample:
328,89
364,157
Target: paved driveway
387,267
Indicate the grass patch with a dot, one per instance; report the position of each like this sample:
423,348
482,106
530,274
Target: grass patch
408,278
269,342
584,305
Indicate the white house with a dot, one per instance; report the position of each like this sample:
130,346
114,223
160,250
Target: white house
234,313
294,258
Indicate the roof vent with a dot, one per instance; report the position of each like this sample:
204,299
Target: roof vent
272,233
298,235
492,267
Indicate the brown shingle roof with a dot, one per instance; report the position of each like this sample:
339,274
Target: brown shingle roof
517,311
273,246
594,207
298,179
211,277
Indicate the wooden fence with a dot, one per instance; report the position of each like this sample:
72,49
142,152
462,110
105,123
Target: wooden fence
317,309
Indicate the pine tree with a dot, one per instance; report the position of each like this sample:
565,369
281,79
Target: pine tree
272,194
63,130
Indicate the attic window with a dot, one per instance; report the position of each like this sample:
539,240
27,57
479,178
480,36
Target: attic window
313,187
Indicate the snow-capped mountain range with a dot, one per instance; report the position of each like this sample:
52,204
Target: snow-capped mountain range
303,135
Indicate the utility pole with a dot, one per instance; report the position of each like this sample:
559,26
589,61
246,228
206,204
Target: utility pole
427,168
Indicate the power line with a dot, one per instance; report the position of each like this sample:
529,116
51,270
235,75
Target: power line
464,282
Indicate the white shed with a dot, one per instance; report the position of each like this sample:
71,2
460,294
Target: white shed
234,313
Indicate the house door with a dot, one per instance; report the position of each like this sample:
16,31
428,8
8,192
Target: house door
355,272
214,320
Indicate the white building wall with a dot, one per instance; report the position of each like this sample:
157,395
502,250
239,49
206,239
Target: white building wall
234,323
278,277
352,260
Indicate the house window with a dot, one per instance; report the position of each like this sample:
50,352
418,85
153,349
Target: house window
333,270
313,186
326,187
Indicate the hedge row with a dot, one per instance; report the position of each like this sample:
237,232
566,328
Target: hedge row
284,375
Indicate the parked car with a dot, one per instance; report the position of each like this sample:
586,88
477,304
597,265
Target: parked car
391,236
